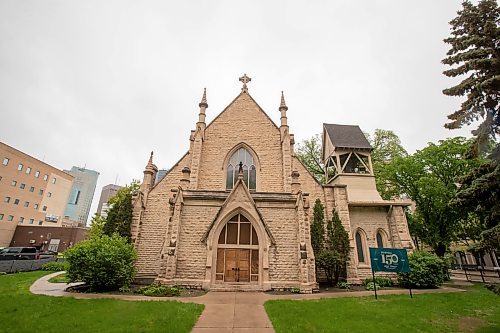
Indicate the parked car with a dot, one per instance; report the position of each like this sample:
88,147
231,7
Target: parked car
19,253
48,254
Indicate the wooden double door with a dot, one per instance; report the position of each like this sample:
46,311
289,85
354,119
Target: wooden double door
237,265
237,268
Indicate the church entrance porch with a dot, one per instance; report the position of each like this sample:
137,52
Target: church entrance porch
237,253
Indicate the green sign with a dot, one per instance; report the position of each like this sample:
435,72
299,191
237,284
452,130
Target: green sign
389,260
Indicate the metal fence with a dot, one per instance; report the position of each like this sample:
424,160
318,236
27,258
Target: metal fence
12,266
476,273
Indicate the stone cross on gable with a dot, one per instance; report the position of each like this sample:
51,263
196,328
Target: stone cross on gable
245,79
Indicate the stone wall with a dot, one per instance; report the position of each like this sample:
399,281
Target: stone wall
283,258
191,251
369,220
153,225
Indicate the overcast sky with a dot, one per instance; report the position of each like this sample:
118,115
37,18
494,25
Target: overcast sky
102,83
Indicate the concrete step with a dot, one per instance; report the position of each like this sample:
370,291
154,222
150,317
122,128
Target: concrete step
235,287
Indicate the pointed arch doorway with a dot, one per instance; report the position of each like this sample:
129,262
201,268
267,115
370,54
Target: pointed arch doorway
238,252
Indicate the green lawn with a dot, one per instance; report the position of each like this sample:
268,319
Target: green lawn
21,311
477,310
62,278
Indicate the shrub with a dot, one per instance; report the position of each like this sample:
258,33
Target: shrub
343,285
426,271
158,290
381,281
103,263
371,286
295,290
55,266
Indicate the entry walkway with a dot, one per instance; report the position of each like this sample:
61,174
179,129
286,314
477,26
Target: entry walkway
225,312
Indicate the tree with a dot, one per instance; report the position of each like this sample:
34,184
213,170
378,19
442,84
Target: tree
317,227
119,219
479,194
474,53
430,178
335,255
97,226
309,153
386,147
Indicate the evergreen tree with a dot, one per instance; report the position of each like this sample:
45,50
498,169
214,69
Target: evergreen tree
119,219
317,227
335,255
474,53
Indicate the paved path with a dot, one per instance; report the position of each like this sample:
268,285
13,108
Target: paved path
225,312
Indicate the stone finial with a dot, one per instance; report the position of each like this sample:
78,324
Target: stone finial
150,166
245,79
283,104
203,102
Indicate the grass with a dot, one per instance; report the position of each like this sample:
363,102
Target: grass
63,278
477,310
20,311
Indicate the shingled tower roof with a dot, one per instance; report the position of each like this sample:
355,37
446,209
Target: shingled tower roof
346,136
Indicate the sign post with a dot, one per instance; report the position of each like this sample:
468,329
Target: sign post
388,260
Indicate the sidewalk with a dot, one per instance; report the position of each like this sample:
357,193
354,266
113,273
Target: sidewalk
225,312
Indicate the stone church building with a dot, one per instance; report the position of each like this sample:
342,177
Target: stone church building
234,212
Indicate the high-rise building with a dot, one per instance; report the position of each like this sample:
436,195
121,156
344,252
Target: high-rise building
81,195
161,173
107,193
32,192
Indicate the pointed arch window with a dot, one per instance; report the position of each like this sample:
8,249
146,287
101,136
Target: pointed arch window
359,247
249,171
380,239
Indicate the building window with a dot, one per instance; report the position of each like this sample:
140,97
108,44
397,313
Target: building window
53,180
49,236
7,199
10,218
40,222
1,217
26,204
22,186
21,220
45,177
246,159
40,192
359,248
16,202
36,206
32,189
49,194
28,170
380,239
44,208
20,167
37,174
14,183
74,196
5,161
